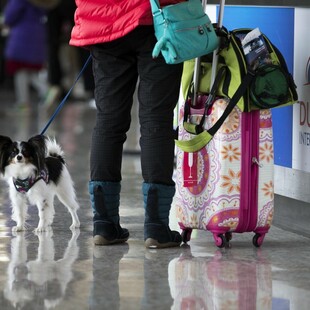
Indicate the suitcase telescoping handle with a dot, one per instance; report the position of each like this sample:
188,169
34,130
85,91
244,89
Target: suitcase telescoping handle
216,52
196,76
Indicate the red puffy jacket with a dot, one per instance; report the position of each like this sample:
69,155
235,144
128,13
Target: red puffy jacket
98,21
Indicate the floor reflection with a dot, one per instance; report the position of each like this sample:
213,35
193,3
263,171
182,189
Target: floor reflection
38,282
105,289
221,282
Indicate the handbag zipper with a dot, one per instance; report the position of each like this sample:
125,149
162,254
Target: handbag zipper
200,28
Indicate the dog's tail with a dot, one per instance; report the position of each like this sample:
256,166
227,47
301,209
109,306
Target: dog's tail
54,149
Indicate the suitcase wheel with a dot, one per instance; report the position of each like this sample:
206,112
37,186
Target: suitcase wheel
221,240
258,239
186,234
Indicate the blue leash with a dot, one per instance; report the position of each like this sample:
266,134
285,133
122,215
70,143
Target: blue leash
66,96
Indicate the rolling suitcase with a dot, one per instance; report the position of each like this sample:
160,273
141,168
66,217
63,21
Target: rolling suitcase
227,186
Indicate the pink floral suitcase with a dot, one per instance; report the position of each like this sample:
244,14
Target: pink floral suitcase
227,186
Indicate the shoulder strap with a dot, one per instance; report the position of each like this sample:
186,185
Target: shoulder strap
155,6
233,102
204,137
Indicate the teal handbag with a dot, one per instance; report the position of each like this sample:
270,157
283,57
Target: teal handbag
183,31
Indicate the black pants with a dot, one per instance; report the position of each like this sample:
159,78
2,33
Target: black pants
117,65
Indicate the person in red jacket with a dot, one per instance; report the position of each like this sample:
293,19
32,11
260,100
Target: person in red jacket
120,37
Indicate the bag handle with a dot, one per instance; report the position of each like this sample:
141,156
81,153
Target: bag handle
198,128
203,138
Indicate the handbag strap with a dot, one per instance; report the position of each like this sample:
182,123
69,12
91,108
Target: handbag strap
203,138
155,6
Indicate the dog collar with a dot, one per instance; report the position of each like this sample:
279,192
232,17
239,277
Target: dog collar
23,186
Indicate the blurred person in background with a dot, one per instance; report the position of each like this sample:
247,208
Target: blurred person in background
26,47
60,21
3,35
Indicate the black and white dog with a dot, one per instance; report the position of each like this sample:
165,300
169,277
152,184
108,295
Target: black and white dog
36,171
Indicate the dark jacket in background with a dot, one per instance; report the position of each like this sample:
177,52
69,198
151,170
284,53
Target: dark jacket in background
27,37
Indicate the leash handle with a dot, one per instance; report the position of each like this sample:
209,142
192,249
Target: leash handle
66,96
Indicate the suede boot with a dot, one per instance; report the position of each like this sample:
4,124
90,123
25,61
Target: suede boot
105,197
157,204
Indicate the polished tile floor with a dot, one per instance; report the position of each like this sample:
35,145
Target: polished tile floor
63,270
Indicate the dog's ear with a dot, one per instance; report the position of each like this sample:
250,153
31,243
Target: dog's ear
38,143
5,143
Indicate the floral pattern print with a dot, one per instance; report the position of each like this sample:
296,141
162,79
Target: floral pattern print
268,189
231,153
231,181
266,152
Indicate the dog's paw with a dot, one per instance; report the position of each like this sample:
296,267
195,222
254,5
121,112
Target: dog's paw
75,225
18,228
40,229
